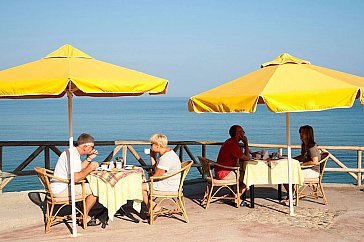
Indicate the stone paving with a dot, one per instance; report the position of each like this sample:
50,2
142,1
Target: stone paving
21,220
304,218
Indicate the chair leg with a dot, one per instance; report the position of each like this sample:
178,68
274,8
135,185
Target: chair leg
323,194
297,193
46,217
209,197
50,217
237,196
84,215
182,206
205,196
151,211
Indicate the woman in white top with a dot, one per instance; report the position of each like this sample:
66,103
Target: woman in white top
167,163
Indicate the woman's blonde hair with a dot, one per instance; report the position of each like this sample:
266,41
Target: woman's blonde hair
159,139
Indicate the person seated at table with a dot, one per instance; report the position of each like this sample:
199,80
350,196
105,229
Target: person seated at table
84,146
230,154
310,154
167,163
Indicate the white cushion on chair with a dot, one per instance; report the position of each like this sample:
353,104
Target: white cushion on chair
65,199
165,193
221,182
312,179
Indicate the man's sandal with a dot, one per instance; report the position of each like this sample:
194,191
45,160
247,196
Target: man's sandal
93,222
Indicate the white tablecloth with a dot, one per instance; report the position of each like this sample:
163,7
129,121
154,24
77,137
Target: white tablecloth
258,172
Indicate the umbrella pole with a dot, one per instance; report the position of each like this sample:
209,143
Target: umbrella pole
288,137
73,195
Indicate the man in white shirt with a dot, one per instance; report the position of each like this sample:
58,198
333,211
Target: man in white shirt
84,146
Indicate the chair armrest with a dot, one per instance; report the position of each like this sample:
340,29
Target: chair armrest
227,167
309,166
158,178
66,180
59,179
306,167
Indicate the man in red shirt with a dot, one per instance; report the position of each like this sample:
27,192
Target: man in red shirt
230,154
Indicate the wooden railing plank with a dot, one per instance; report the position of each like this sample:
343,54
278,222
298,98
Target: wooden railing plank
356,173
30,158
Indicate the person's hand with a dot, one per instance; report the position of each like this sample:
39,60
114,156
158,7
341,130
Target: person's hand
152,153
92,155
244,139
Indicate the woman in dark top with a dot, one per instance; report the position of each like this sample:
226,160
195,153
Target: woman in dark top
310,155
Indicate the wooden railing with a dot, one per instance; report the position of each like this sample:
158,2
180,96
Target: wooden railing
182,148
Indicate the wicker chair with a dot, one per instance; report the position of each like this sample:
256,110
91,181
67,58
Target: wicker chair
176,197
52,217
212,183
312,187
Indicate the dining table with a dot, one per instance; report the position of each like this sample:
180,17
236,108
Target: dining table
115,187
270,172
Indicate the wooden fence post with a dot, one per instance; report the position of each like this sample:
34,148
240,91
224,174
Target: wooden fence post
1,168
203,151
359,167
47,159
181,153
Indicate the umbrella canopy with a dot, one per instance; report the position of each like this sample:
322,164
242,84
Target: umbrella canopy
286,84
51,76
72,72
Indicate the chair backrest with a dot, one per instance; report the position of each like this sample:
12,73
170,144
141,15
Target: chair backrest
44,178
185,167
206,166
323,161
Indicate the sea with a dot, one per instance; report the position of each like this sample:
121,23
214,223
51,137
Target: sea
137,118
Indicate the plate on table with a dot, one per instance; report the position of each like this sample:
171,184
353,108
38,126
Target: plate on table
274,158
100,169
128,168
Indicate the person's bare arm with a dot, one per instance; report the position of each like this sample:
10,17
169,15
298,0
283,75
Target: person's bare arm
159,172
152,158
246,153
89,158
314,161
87,170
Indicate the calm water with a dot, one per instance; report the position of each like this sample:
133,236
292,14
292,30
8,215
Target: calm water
137,118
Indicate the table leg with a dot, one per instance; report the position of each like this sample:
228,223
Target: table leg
252,196
280,192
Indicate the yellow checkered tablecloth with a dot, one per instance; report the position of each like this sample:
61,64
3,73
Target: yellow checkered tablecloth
112,197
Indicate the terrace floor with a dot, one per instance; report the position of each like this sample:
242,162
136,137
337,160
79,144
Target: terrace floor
341,220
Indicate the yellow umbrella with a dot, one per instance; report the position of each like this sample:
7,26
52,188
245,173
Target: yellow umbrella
70,71
51,77
286,84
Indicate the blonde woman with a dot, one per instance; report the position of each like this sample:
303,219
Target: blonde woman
168,162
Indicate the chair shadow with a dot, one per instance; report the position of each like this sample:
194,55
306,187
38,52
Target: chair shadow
39,200
128,213
196,195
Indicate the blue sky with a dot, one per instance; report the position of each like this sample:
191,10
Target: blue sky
196,45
